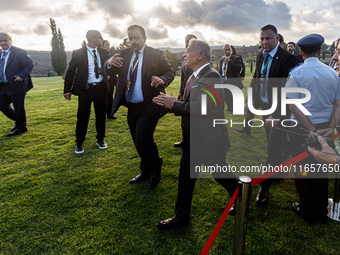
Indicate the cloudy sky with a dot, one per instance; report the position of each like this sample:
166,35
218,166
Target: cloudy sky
167,22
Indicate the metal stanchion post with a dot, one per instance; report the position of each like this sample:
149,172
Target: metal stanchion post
334,204
241,215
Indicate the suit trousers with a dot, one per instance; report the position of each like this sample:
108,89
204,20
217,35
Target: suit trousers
186,185
110,101
313,192
228,100
18,114
98,95
142,120
277,145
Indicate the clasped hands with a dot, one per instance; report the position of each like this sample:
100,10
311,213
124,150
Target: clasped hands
165,100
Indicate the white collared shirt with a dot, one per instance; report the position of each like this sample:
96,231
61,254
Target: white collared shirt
91,73
199,69
225,68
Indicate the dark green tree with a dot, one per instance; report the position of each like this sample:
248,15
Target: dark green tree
174,62
123,45
58,54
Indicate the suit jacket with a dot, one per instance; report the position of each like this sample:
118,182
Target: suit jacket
155,63
282,63
19,64
206,137
185,74
233,71
78,71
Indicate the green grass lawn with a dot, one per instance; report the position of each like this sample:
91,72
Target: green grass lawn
53,201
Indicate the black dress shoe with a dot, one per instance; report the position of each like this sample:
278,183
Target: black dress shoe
14,128
155,179
262,197
296,208
138,178
172,223
244,130
179,144
17,131
112,117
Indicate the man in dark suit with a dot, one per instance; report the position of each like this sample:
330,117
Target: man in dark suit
202,143
15,81
86,79
291,48
112,83
185,74
332,62
143,72
230,68
272,62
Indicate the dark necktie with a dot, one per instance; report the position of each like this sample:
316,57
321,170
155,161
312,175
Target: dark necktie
95,64
133,77
264,73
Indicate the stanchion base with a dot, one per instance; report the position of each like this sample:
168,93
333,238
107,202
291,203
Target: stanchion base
333,210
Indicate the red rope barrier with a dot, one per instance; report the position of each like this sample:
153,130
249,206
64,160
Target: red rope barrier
256,180
219,224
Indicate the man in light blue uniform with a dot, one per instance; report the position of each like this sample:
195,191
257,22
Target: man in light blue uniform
323,84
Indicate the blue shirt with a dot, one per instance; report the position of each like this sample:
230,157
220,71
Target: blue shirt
5,62
323,84
137,95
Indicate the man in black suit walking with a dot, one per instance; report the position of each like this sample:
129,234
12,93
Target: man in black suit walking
208,144
15,81
230,68
272,62
86,79
143,72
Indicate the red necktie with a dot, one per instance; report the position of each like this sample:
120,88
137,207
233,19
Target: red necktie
188,85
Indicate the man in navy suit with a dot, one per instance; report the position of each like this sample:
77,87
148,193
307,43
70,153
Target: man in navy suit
143,72
86,79
15,81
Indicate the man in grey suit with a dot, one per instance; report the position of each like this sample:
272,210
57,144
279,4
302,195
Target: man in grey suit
15,81
143,72
211,143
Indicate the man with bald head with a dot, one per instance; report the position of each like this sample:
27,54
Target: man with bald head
86,79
